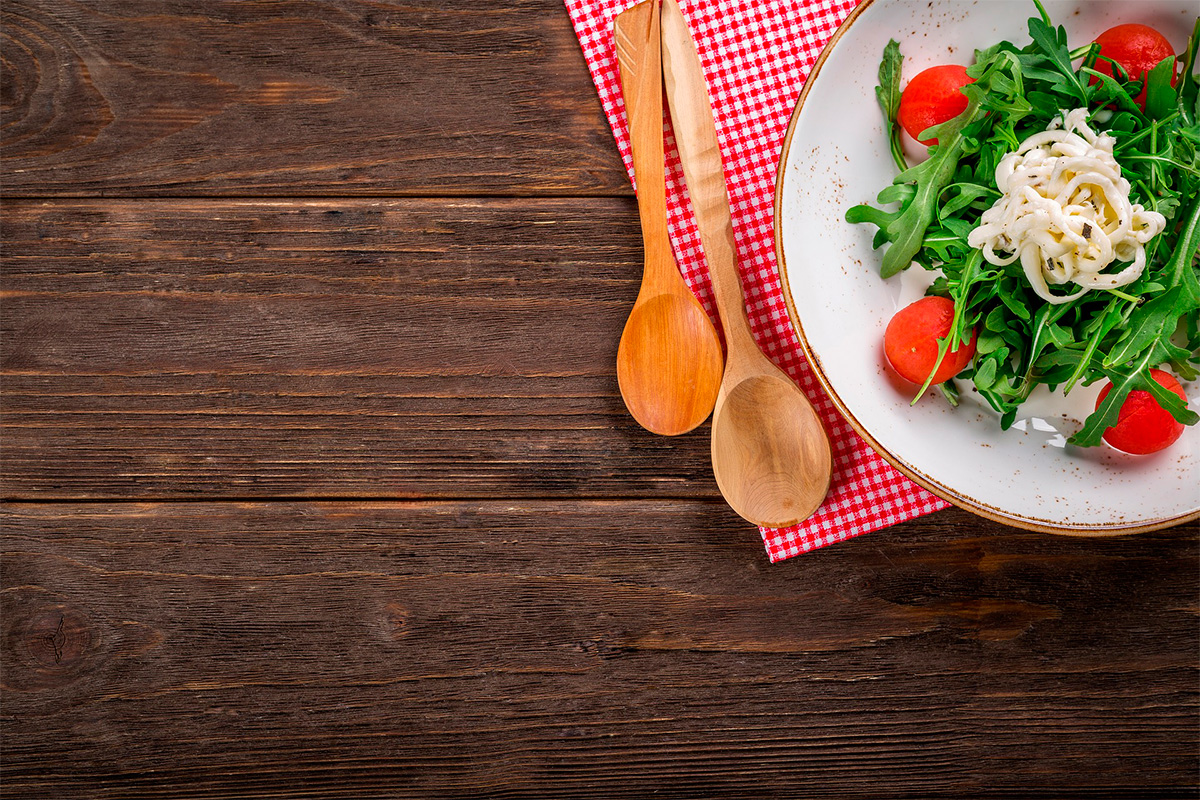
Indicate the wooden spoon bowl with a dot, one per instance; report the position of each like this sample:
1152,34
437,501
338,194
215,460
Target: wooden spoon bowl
770,455
669,363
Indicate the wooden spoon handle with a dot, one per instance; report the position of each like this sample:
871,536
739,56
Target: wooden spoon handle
700,152
639,57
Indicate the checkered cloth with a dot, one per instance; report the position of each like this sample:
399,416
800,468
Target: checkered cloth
755,57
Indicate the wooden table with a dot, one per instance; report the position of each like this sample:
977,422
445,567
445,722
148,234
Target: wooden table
318,483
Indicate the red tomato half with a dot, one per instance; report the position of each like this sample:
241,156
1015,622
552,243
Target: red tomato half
910,341
931,98
1137,48
1142,424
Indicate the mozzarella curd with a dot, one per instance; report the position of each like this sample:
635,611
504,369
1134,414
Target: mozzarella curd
1065,212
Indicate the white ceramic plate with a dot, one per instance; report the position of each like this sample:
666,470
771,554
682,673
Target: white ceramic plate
836,155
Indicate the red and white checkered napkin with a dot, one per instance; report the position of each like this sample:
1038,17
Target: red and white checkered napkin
756,56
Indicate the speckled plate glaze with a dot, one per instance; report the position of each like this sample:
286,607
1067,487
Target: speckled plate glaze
835,154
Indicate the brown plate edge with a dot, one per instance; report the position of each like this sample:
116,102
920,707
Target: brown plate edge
944,492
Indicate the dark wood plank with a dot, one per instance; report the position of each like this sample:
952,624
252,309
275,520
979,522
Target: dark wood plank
302,97
596,649
401,348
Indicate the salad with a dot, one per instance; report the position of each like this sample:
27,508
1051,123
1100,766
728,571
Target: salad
1058,212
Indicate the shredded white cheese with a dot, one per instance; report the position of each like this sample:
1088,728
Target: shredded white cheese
1065,212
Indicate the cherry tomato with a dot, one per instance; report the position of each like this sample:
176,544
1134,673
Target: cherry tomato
1137,48
1143,426
911,346
931,98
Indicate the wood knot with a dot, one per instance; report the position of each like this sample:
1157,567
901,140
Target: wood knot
603,648
52,643
396,617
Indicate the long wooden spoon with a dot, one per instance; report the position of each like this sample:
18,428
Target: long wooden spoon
669,361
770,452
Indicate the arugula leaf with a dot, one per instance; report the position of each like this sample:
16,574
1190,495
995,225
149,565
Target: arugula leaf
888,93
868,213
1161,97
985,374
1146,326
1109,89
1047,333
1095,332
1053,42
964,195
1181,268
1105,415
907,230
1172,403
1189,91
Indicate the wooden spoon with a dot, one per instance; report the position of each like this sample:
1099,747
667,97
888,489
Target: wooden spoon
770,452
669,361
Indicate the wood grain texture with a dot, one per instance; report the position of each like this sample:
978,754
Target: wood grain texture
538,649
303,97
401,348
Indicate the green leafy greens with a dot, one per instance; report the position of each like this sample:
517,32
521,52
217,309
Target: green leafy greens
1023,341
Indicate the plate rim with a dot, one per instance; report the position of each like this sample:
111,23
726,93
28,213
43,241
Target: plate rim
942,491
